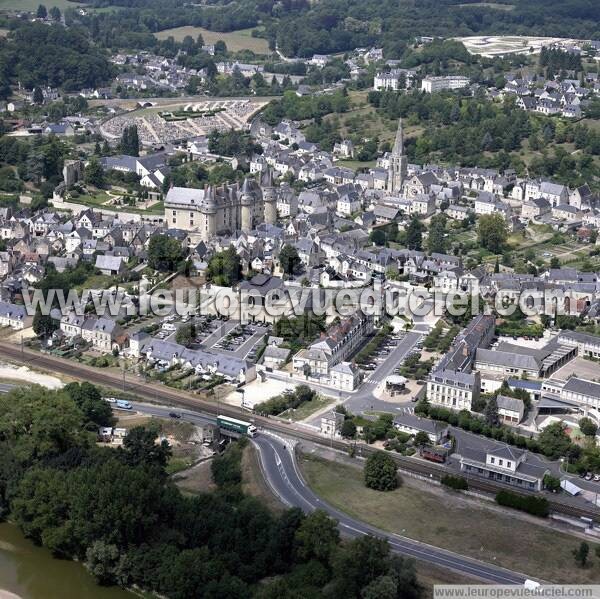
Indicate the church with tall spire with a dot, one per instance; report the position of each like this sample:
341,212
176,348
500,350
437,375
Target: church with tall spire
398,164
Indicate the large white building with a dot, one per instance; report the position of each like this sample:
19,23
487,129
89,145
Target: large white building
437,84
394,80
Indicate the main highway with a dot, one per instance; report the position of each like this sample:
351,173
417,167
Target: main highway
278,462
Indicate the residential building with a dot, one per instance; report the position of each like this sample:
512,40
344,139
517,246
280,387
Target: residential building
412,424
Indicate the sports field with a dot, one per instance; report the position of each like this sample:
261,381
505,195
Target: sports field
235,40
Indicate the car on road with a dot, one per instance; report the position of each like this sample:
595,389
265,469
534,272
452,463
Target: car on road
174,415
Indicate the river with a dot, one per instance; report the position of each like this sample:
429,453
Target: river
30,572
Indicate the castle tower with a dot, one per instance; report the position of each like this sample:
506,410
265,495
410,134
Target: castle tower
269,197
209,209
246,202
398,163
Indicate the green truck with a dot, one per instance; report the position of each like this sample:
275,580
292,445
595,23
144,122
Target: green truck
235,427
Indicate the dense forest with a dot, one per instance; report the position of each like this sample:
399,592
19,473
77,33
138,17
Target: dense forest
38,55
341,25
116,510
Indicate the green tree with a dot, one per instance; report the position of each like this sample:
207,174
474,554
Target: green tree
580,554
491,412
141,448
554,441
43,325
317,537
38,96
130,143
185,334
40,424
54,13
422,439
101,560
380,472
378,237
289,259
348,429
588,427
414,234
436,241
358,563
225,268
384,587
88,399
94,173
41,12
164,253
492,232
552,483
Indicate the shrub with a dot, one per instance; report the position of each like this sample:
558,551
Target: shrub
538,506
455,482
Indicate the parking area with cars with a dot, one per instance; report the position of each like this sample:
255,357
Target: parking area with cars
217,334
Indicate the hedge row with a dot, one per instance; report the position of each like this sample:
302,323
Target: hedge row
538,506
455,482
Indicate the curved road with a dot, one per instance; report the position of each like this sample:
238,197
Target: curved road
284,478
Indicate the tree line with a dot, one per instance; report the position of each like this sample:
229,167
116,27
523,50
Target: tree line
117,511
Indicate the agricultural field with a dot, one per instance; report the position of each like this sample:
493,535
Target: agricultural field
235,40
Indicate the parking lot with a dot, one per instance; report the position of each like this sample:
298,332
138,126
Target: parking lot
217,334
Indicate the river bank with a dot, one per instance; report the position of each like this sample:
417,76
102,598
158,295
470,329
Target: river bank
30,572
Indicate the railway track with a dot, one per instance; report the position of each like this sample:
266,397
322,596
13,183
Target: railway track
160,393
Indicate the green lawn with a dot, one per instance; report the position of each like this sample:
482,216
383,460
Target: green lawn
97,199
235,40
446,519
356,164
96,282
307,408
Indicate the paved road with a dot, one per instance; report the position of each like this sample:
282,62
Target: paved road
364,399
281,471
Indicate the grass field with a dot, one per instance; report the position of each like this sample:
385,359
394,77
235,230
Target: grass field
235,40
307,409
33,4
447,519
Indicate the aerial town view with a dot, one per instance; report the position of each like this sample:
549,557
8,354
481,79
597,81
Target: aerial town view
299,300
